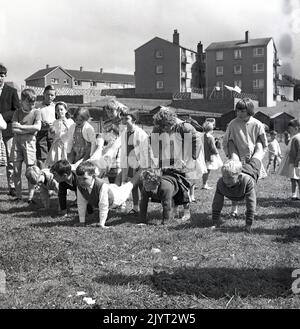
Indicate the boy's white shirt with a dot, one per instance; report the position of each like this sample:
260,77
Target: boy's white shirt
48,113
88,134
110,195
3,124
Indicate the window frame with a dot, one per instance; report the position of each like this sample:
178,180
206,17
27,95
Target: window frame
235,71
219,52
157,84
159,53
238,51
255,52
218,73
255,66
157,67
256,84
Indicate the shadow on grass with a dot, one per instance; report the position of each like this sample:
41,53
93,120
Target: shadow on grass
277,202
211,282
197,220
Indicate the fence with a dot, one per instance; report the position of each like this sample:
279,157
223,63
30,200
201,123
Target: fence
67,91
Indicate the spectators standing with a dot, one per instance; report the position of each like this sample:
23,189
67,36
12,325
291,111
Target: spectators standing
9,103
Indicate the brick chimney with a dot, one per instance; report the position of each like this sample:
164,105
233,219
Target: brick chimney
81,69
47,66
247,36
101,70
176,37
200,48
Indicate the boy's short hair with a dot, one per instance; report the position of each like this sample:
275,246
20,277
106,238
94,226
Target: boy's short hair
83,112
273,133
232,167
208,126
61,167
245,104
28,94
3,69
86,167
33,174
132,114
49,87
150,176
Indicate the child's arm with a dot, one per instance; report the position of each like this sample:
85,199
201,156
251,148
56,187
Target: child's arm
27,128
103,205
62,197
144,206
87,152
81,204
217,205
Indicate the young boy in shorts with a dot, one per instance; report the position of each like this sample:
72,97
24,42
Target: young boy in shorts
96,192
45,180
238,183
26,122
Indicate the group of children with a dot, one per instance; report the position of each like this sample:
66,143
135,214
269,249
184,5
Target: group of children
64,154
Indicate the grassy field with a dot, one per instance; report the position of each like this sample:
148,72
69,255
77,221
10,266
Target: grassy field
48,259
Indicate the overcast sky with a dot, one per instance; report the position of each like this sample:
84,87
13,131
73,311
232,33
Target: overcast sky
104,33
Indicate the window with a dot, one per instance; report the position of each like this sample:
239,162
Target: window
258,52
54,80
237,69
159,54
238,83
258,67
258,84
220,84
66,81
219,55
159,84
93,84
77,83
238,54
159,69
219,70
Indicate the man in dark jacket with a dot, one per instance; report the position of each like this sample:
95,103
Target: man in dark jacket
9,102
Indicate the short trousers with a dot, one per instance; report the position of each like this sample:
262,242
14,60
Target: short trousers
252,168
24,149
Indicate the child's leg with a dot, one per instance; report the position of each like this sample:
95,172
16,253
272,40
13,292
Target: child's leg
294,187
192,192
186,212
17,178
298,186
205,179
44,193
135,198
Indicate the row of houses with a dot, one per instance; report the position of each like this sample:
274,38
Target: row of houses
165,67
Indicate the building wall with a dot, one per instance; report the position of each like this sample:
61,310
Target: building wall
186,69
265,95
61,76
271,71
145,67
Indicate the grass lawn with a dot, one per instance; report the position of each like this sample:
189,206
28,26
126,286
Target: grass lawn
47,259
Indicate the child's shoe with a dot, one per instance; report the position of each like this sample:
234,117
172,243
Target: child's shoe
186,215
248,229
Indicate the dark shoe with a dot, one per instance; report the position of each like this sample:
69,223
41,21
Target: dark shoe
12,192
133,212
31,201
17,200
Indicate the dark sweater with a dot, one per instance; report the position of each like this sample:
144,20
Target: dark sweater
245,189
165,194
93,197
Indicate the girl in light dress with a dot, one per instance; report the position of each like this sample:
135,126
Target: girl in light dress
290,165
60,129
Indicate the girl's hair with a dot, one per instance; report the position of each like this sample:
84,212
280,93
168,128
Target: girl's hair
65,106
28,94
150,176
33,174
273,132
86,167
61,167
232,167
49,87
3,69
164,117
208,126
120,108
245,104
294,123
83,112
